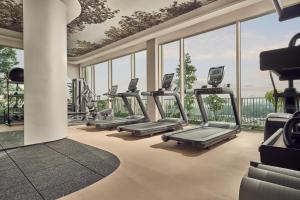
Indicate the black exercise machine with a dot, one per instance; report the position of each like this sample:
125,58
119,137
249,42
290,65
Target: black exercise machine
113,123
165,123
209,132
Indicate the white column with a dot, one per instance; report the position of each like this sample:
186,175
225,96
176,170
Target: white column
152,75
110,79
238,69
45,56
182,71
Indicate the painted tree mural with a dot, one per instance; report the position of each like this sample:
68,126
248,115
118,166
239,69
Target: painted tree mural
97,12
139,21
11,15
92,12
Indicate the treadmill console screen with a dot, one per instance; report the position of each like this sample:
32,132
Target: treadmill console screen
114,90
215,76
167,81
133,85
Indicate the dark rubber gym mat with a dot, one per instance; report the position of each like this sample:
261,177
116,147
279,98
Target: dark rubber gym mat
11,139
13,184
52,170
102,163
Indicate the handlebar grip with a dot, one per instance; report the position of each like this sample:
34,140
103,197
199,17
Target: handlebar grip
293,41
146,93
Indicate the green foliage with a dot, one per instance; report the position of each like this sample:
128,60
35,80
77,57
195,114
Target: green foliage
270,98
102,104
8,59
189,79
215,104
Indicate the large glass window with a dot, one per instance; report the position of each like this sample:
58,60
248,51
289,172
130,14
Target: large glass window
121,72
170,62
11,96
121,76
141,73
101,84
211,49
141,69
260,34
101,78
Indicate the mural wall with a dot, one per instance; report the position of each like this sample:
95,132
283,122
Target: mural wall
103,22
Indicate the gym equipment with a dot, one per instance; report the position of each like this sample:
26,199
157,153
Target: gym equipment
132,118
286,13
165,123
282,142
84,104
264,182
14,114
282,146
209,132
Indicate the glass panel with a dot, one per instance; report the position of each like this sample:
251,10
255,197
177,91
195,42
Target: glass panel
121,76
141,73
11,99
211,49
171,64
101,84
260,34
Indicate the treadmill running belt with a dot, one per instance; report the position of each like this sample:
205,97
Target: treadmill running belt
201,134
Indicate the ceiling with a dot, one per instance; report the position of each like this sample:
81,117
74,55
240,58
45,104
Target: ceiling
103,22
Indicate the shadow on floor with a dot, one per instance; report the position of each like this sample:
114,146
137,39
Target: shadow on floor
126,136
90,129
187,149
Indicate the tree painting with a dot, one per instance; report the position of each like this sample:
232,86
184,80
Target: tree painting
92,12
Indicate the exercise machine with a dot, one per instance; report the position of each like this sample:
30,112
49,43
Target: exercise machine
274,178
14,114
132,118
165,123
84,104
209,132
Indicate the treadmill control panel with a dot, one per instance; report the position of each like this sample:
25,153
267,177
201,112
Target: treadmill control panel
210,90
133,85
114,90
215,76
167,81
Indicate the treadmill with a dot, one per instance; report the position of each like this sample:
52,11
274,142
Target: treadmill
165,123
209,132
132,118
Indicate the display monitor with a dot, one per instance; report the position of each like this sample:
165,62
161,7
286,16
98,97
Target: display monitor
167,81
133,85
215,76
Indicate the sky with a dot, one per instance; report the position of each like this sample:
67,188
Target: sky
215,48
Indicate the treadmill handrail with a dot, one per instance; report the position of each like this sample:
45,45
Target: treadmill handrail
219,90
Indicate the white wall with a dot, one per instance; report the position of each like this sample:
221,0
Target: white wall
73,71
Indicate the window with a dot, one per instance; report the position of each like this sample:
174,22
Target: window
211,49
141,69
257,35
170,55
121,76
101,78
170,60
121,69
